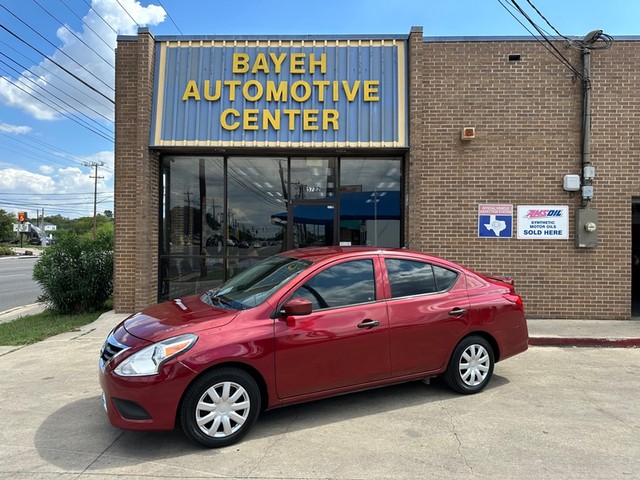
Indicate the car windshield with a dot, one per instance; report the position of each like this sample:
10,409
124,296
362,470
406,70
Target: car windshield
253,286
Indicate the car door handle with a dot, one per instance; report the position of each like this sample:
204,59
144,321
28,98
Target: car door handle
457,312
368,324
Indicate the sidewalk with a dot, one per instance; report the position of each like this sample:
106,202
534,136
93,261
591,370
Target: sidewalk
584,333
22,311
575,333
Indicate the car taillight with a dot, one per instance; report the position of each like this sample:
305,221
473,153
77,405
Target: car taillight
515,298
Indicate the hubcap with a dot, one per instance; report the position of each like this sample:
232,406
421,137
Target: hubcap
222,409
474,365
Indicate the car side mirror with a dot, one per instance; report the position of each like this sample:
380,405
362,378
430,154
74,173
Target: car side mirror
295,306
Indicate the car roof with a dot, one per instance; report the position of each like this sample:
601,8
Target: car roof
315,254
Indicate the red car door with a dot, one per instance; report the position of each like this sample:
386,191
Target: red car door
428,312
344,341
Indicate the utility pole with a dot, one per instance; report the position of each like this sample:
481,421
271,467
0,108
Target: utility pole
95,165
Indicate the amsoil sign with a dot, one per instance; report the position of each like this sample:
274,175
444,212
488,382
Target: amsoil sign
543,222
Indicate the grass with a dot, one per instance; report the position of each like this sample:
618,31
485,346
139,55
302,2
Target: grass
34,328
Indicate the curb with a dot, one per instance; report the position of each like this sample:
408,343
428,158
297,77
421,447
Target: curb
585,342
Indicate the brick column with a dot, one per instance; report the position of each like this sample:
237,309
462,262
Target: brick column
137,174
416,73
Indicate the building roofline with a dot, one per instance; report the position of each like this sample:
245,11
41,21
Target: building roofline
198,38
515,38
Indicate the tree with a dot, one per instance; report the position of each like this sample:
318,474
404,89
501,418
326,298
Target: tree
76,272
6,226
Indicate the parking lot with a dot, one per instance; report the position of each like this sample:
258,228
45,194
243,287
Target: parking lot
548,413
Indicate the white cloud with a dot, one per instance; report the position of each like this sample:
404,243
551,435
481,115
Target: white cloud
23,181
16,129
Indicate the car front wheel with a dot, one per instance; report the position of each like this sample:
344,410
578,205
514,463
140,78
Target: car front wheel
220,407
470,366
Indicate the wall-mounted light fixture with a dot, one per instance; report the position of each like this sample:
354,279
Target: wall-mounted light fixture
468,133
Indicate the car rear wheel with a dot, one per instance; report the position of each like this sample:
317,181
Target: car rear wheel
471,365
220,407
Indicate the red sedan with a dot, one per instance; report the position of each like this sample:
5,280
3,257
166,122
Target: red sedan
303,325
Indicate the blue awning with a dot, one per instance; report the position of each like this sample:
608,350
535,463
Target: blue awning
360,206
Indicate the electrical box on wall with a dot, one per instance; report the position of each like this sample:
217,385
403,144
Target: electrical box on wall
586,228
571,183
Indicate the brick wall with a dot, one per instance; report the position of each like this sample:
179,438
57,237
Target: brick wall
527,116
136,178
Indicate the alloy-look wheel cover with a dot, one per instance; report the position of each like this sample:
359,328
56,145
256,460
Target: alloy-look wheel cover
474,365
222,409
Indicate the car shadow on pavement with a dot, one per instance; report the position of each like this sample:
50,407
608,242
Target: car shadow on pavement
78,436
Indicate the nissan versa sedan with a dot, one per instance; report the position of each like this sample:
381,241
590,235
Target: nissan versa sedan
304,325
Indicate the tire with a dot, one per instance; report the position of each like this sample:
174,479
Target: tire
470,366
220,407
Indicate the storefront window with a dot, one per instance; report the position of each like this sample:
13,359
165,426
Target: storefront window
370,203
222,215
256,192
191,257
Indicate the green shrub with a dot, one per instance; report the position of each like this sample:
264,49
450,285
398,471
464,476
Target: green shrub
6,251
76,273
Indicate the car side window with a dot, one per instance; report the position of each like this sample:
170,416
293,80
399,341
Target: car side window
445,278
409,277
344,284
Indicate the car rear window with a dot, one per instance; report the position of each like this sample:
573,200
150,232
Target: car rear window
410,277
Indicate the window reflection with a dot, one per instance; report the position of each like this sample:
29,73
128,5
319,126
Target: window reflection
190,258
221,215
345,284
370,202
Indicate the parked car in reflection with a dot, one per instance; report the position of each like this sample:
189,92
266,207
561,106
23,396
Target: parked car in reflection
303,325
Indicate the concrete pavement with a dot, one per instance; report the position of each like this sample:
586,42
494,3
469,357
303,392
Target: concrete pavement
565,413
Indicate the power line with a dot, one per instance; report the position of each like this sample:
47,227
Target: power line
74,34
47,148
55,47
127,12
49,84
70,116
56,106
58,65
52,73
170,17
98,36
100,17
547,44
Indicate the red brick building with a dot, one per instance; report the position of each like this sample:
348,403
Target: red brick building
229,149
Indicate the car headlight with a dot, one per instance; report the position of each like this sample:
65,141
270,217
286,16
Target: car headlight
148,360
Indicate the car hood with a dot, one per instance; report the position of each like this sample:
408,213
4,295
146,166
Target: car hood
175,317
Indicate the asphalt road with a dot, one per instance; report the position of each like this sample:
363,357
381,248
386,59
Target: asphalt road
549,413
17,287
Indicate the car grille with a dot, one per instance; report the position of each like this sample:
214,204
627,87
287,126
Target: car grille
110,349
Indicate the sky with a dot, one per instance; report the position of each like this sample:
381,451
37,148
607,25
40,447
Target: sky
57,68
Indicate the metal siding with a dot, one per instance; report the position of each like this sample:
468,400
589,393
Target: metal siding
197,123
